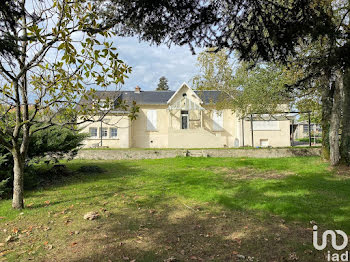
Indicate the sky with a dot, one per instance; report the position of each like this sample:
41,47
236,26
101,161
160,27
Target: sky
149,63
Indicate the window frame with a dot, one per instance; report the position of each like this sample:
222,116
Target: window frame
184,113
111,132
103,129
91,128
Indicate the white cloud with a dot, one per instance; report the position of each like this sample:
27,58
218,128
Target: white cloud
149,63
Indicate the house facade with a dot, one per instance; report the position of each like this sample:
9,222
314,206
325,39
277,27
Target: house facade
184,118
302,130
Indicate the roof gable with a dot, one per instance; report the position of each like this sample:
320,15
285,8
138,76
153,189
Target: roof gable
186,89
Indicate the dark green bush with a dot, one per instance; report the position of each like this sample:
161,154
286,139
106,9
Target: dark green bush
49,145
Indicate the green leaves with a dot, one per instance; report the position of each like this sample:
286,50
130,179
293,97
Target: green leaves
67,53
245,88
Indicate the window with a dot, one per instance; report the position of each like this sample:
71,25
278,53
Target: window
114,132
152,120
103,104
264,142
266,125
306,128
93,131
104,132
184,119
218,120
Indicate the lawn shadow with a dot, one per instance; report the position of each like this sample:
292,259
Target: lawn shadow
189,235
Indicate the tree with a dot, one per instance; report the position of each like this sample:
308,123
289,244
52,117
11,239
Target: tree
216,70
257,29
9,14
63,50
163,84
246,88
334,124
345,139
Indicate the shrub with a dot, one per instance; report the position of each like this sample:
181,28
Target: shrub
49,144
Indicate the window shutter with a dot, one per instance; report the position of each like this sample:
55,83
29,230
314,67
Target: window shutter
152,120
218,120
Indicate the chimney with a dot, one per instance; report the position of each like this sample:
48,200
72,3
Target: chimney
137,90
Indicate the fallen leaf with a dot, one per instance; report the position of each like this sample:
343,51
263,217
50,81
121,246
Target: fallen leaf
47,202
91,215
10,239
3,253
74,244
170,259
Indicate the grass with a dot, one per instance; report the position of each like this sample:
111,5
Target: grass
219,148
189,208
306,139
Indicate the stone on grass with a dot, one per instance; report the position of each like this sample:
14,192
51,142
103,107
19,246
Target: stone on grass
240,256
170,259
91,215
10,238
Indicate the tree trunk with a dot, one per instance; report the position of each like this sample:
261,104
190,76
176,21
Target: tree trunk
345,135
327,100
22,121
18,173
335,120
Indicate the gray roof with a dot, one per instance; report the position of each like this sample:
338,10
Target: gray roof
148,97
156,97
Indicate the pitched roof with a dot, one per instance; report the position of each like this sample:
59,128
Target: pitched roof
150,97
156,97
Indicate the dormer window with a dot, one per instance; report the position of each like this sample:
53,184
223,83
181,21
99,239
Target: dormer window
103,104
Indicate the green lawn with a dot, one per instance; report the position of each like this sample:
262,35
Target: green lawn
204,209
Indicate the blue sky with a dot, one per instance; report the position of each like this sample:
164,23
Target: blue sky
149,63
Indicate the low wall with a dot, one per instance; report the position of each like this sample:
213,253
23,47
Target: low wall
169,153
